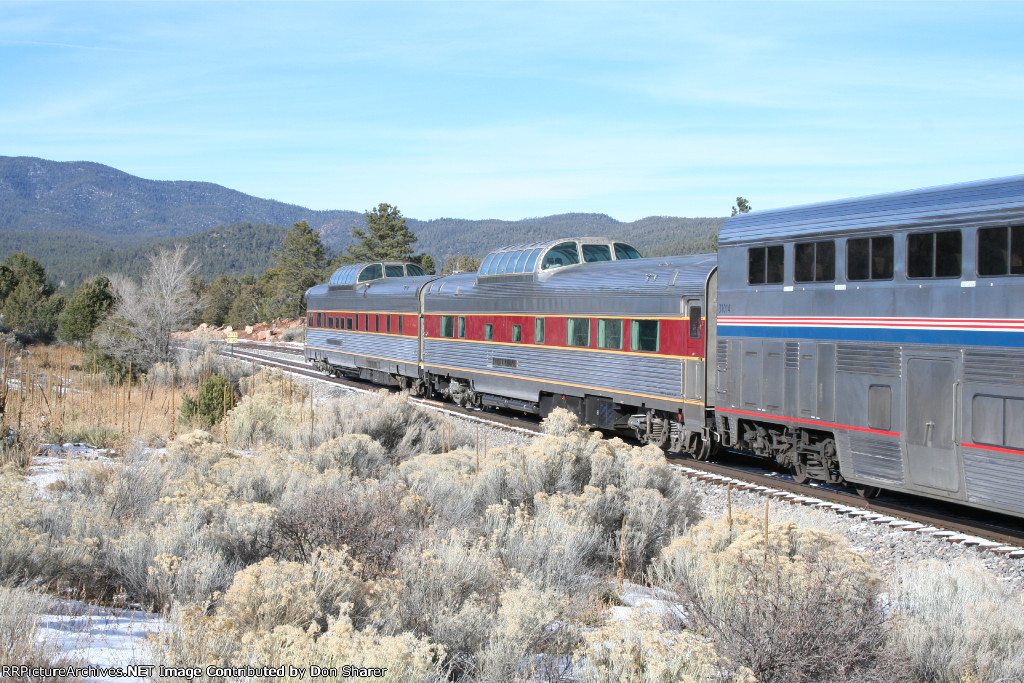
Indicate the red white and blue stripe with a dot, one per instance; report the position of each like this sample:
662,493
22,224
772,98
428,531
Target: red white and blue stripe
1004,332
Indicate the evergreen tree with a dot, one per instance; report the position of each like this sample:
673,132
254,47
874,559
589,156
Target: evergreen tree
28,304
245,309
86,309
25,268
425,261
220,295
386,237
301,263
7,282
741,206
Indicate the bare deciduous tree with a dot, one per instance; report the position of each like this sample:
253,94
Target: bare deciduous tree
147,313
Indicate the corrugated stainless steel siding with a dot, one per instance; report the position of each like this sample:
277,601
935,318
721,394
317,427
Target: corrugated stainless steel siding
402,349
993,366
868,359
985,202
649,375
994,479
878,459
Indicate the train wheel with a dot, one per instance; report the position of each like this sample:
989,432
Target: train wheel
799,472
867,492
705,447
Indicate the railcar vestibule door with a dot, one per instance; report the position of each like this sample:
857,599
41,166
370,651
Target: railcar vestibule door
932,421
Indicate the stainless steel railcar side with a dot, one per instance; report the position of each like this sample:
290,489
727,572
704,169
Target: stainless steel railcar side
530,333
365,323
880,340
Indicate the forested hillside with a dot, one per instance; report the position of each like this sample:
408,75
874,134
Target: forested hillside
654,236
70,259
88,198
80,219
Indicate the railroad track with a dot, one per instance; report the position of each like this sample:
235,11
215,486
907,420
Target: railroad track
998,534
258,353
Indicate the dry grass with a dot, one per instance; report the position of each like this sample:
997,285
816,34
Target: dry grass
51,398
20,611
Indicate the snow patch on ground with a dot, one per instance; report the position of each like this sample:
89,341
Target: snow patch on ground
101,636
638,600
86,634
48,466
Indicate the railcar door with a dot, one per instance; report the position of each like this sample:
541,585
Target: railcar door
693,364
931,435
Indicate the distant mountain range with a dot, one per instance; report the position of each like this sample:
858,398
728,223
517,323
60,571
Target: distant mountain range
81,218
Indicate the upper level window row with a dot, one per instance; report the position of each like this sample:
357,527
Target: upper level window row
936,254
567,254
524,260
352,274
376,271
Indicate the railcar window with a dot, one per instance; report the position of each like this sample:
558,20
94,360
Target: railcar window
394,271
503,263
330,322
517,333
934,254
814,262
597,252
564,254
488,331
694,322
1001,251
997,421
531,260
447,325
609,333
400,324
319,320
371,272
538,331
880,407
462,327
1013,423
348,322
766,265
623,251
578,332
645,335
869,258
413,269
387,323
520,262
310,323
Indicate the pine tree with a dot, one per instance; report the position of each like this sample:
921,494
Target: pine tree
86,309
741,206
301,263
28,304
386,237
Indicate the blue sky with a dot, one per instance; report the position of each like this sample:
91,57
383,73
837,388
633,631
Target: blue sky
520,109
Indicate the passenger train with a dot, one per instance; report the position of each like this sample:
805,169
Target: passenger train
876,341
